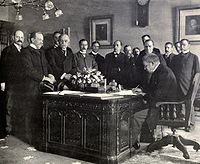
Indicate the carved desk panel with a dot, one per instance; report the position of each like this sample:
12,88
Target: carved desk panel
90,129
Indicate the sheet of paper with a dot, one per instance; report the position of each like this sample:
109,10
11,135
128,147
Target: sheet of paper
69,92
52,93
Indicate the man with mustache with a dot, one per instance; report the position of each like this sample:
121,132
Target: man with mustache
83,60
10,82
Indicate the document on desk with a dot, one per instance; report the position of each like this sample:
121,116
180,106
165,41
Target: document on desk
102,96
69,92
126,93
51,93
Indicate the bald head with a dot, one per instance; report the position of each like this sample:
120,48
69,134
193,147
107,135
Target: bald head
18,37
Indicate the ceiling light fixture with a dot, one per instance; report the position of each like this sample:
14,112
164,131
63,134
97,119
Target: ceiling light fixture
45,5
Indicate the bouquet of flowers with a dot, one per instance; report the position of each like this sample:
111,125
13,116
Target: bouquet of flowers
89,78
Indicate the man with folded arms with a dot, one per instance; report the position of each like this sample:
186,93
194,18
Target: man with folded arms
61,59
35,70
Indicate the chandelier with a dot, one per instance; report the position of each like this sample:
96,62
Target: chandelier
44,5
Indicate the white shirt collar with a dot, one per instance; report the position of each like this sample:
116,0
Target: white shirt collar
186,52
18,47
94,53
33,46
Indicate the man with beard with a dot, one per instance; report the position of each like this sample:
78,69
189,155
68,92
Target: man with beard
10,77
35,70
83,60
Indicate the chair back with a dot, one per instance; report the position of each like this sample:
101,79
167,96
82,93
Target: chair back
168,110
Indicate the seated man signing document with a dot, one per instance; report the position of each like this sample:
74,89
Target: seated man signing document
161,87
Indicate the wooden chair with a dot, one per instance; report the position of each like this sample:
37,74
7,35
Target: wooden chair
168,117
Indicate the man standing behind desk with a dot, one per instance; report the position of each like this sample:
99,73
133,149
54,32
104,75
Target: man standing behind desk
35,71
83,60
61,59
168,56
185,66
98,58
115,63
11,79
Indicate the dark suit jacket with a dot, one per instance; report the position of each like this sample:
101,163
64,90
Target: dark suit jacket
162,87
35,67
185,66
60,63
10,72
168,59
100,61
114,66
87,62
130,74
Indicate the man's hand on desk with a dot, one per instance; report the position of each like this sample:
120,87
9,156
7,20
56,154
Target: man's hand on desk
52,78
66,76
45,78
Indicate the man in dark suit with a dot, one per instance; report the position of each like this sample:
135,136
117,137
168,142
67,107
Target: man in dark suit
35,70
98,58
149,48
168,56
115,63
158,90
10,75
185,65
56,36
83,60
130,76
61,59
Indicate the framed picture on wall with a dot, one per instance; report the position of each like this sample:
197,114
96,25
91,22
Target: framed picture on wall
189,23
101,29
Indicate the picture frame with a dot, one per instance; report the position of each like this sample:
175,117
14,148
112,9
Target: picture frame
188,24
101,29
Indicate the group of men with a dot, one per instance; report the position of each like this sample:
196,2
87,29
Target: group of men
23,70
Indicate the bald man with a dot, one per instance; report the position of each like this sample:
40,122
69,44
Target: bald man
10,77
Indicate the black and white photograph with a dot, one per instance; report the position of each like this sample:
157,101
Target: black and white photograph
99,81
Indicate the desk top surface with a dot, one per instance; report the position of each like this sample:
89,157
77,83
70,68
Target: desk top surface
102,96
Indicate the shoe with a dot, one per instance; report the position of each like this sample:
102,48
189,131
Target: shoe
136,145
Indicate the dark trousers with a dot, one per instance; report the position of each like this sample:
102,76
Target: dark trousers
2,114
137,122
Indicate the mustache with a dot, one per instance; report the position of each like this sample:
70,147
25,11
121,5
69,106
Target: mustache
19,41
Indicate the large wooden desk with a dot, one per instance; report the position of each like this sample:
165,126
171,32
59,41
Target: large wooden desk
89,128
